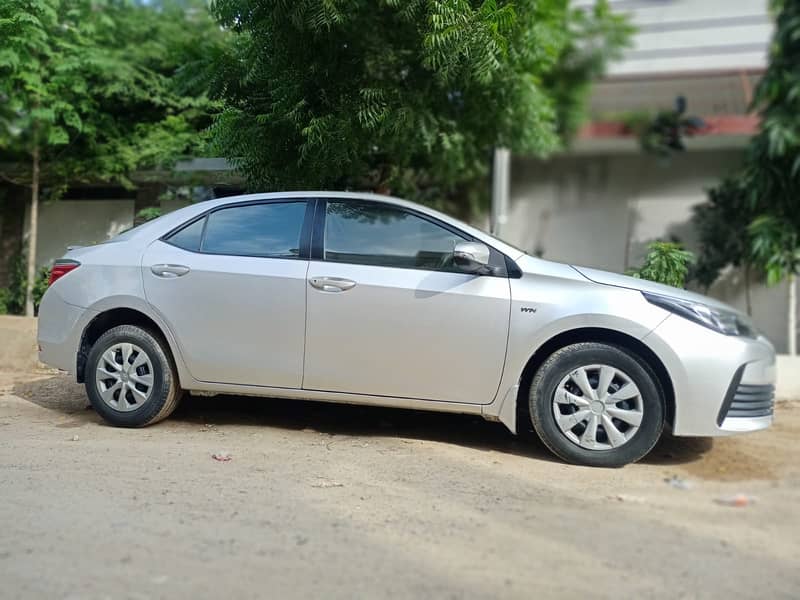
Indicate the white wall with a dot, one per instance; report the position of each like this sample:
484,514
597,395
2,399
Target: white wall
601,211
692,35
83,222
78,222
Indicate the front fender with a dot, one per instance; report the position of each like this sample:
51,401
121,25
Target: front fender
544,307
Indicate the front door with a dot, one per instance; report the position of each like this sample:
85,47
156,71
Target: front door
390,315
232,288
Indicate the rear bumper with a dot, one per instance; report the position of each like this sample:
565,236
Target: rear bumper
60,328
723,385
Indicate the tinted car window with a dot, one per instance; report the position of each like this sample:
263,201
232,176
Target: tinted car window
188,238
376,234
256,230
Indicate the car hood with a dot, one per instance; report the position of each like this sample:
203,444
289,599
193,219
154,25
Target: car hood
632,283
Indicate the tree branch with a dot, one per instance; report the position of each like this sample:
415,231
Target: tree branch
13,181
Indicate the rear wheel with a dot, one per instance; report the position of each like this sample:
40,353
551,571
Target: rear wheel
130,379
596,404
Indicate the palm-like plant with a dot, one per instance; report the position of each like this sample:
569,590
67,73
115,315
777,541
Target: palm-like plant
776,245
666,262
768,184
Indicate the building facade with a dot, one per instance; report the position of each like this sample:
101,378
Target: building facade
603,201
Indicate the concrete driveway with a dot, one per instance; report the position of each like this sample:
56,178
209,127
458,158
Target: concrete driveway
342,502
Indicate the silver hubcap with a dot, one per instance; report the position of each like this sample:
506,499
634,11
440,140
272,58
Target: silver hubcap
598,407
124,377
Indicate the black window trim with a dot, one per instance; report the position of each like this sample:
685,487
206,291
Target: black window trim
503,265
305,228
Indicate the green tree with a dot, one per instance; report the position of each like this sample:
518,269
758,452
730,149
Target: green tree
772,170
776,246
94,89
408,96
42,100
595,36
723,229
667,263
769,179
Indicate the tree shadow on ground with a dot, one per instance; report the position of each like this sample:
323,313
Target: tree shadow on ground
61,394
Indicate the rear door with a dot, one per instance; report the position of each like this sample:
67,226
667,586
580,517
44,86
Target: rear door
232,287
390,315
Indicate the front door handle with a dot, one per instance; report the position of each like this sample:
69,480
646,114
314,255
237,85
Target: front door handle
332,284
169,271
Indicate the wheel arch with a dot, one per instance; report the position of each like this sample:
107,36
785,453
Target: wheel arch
121,315
602,335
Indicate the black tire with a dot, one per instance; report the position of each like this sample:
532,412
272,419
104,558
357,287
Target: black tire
560,364
165,394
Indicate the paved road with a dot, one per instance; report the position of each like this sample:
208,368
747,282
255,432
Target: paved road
342,502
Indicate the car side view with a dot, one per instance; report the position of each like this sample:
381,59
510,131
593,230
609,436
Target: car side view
367,299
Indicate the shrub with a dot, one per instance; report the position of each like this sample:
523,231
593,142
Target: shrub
12,298
666,262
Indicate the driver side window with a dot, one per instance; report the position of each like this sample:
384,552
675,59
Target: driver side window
381,235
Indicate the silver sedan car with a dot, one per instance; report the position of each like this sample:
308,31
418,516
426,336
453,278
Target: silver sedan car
365,299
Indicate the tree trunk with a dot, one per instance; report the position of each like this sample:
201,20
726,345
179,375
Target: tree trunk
792,314
34,226
748,300
501,177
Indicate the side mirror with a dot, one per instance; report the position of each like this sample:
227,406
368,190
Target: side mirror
471,257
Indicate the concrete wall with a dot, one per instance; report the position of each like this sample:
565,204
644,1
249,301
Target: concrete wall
692,35
601,211
18,351
78,222
83,222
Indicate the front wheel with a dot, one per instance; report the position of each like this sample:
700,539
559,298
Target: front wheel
597,405
130,379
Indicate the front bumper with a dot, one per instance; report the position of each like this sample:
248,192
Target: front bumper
723,384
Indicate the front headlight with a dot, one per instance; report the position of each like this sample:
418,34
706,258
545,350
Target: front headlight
720,320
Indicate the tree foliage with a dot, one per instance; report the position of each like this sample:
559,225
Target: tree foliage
723,224
148,214
776,246
401,95
667,263
595,36
765,209
770,176
12,297
95,89
101,87
773,161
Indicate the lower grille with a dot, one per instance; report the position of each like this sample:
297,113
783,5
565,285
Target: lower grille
744,400
752,401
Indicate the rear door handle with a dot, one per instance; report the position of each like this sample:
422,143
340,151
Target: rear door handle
332,284
169,271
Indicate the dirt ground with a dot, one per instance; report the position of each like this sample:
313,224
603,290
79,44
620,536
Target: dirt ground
338,501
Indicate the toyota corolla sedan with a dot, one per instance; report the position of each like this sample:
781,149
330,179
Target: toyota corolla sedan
365,299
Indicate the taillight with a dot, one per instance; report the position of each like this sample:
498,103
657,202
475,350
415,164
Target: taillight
61,268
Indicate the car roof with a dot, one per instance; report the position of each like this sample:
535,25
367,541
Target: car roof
172,220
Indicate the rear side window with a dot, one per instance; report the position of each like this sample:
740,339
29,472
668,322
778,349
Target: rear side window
188,238
271,230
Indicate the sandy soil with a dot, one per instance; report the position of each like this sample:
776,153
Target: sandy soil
341,502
